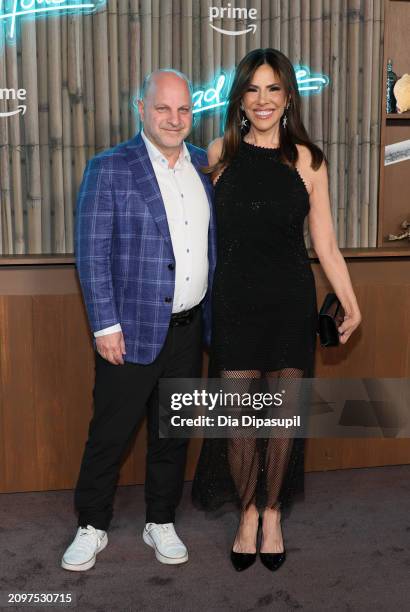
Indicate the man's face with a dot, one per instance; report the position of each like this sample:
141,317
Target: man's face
167,111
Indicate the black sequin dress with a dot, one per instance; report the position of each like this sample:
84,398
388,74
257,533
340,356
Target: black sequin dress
264,322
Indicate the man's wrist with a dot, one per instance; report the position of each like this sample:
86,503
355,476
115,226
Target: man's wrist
108,330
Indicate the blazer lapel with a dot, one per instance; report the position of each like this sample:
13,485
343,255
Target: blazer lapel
146,182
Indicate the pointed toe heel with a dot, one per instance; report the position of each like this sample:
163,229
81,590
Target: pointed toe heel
273,561
241,561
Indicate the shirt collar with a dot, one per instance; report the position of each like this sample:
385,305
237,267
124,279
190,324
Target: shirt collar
156,155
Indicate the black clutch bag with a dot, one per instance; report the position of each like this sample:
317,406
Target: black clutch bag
331,315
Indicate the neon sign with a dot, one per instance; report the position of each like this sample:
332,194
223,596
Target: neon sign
307,83
13,11
212,97
215,95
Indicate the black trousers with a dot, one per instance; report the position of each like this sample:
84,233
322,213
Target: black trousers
123,395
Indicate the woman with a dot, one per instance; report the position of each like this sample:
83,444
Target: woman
268,177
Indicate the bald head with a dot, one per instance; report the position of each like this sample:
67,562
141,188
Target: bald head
165,108
169,75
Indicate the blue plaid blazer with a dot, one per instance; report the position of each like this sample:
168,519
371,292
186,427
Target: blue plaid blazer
123,248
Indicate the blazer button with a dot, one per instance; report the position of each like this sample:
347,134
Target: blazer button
171,266
168,299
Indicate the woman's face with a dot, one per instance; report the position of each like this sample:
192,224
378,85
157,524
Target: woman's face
265,99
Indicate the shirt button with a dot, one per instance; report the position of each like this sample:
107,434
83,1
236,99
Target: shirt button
171,266
168,300
186,222
187,250
182,195
187,278
180,305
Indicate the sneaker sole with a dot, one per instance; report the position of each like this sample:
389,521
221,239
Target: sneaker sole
162,558
82,567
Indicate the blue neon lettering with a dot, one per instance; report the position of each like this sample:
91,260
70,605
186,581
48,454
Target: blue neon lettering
214,97
205,99
11,10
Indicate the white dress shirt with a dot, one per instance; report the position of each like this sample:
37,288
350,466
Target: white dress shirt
187,210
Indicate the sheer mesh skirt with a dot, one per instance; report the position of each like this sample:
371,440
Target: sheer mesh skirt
265,472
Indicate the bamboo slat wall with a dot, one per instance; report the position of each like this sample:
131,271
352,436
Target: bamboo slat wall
82,73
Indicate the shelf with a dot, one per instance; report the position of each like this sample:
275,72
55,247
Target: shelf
398,116
69,259
393,194
37,260
371,252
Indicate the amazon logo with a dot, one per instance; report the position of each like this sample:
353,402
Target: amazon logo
13,94
232,12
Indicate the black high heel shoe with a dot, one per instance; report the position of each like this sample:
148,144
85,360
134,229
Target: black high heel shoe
273,561
241,561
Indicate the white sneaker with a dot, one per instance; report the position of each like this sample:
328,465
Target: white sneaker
81,553
164,540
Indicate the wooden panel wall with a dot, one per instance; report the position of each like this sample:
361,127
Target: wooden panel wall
395,127
380,349
47,369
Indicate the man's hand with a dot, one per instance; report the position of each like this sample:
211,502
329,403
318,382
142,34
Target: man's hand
111,347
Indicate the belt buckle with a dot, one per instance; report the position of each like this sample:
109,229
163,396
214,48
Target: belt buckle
185,319
182,320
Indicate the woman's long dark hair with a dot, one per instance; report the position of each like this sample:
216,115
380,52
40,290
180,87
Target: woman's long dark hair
294,133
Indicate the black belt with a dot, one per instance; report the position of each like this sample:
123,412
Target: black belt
185,317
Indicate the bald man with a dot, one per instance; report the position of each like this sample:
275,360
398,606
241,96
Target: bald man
145,253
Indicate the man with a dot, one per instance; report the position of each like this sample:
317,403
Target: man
144,233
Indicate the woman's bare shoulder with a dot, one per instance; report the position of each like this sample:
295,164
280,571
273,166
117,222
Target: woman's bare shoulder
305,159
215,150
304,166
214,155
304,153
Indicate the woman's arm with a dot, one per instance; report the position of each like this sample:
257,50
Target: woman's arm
325,244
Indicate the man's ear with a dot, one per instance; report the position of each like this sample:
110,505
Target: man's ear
140,105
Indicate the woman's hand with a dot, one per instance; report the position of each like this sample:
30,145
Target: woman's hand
351,321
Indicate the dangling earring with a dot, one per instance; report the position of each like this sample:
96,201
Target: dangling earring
243,122
284,116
